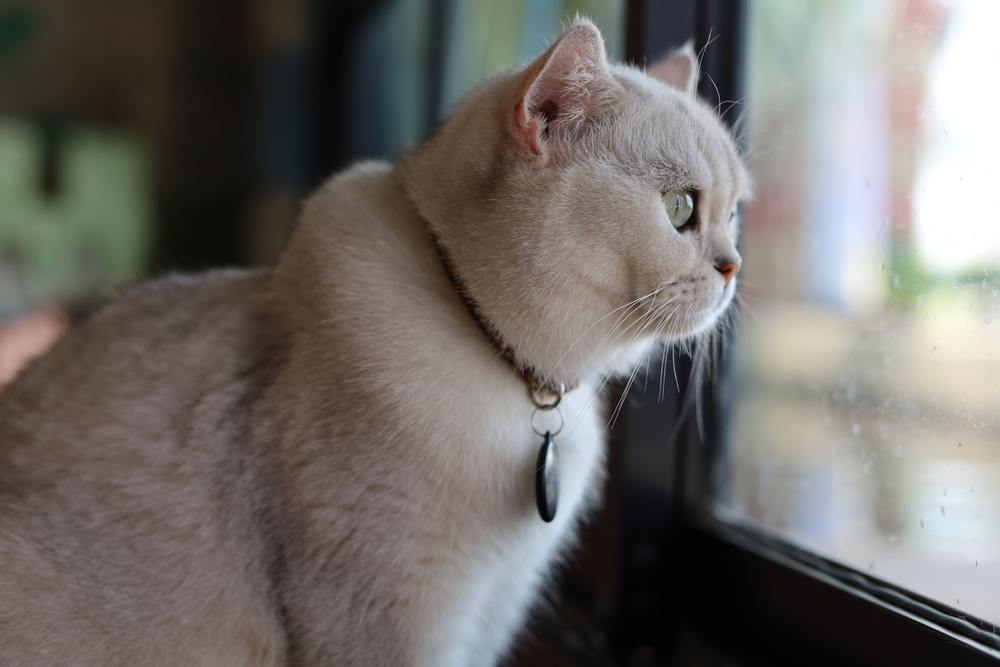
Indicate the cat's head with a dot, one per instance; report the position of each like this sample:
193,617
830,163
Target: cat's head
571,188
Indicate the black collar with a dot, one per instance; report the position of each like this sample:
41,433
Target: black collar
544,393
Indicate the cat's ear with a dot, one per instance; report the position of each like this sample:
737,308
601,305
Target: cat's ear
678,70
562,89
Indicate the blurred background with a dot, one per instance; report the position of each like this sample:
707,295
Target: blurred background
866,423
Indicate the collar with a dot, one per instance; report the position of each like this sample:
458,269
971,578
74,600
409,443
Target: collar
545,394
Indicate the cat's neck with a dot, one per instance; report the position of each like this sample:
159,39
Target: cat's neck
545,390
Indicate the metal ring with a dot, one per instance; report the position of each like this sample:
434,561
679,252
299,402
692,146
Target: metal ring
533,393
538,431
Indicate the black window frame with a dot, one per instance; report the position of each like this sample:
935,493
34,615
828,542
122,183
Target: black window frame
762,598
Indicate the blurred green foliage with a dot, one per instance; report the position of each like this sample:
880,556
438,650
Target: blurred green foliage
92,231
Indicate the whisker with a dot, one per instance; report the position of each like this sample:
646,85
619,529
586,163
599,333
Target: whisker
628,385
614,363
663,371
629,306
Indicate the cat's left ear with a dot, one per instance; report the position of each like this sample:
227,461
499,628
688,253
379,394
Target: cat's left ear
562,89
678,70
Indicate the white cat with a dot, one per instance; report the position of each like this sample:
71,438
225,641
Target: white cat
330,463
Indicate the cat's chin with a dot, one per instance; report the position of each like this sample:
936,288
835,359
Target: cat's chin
700,321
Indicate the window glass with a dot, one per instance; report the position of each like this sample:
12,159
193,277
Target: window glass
866,423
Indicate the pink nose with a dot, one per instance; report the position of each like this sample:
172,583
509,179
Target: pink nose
728,268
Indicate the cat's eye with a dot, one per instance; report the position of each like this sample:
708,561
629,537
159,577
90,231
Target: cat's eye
680,207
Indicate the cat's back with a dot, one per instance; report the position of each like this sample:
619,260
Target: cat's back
125,499
136,363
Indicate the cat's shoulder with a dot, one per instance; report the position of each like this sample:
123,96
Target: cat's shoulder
368,190
358,218
368,177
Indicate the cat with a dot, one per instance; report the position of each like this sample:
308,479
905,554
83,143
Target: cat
328,462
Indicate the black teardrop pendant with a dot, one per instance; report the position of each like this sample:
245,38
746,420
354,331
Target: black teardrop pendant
547,479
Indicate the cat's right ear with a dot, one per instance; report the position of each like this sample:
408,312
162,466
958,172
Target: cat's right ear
678,70
562,89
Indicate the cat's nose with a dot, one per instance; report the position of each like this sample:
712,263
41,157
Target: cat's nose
728,267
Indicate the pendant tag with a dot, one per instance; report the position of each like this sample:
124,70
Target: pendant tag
547,478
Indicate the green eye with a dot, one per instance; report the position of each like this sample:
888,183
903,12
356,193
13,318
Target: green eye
680,206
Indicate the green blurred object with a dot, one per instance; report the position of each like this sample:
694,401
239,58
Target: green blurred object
17,26
89,231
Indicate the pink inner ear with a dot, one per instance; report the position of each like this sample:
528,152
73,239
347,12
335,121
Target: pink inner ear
561,88
678,70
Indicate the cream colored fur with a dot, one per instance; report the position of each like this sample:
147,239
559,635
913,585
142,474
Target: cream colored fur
327,463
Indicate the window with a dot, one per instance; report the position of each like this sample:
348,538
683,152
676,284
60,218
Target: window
866,423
